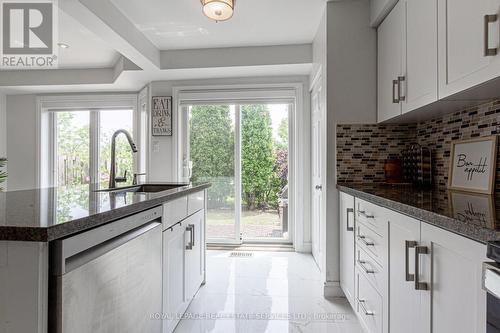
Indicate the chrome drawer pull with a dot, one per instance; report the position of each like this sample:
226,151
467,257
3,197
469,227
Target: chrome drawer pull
362,263
348,211
363,213
362,305
409,245
394,85
418,251
190,228
488,52
400,97
363,240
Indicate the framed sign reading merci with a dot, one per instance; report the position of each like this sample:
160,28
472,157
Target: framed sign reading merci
473,165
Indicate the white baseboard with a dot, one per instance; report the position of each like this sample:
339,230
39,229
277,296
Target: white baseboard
332,289
305,247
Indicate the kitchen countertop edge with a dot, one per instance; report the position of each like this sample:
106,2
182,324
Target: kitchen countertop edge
473,232
50,233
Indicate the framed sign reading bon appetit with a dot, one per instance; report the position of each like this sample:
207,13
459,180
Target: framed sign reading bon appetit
473,165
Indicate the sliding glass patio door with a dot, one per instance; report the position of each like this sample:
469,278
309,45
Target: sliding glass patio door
242,149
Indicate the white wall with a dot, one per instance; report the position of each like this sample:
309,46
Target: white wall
21,141
345,49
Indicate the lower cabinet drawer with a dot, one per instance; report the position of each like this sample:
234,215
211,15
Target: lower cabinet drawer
371,242
373,215
372,271
369,305
196,202
174,211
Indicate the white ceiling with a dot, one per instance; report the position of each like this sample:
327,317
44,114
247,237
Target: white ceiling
86,49
180,24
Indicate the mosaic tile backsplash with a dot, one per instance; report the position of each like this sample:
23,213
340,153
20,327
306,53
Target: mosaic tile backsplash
362,149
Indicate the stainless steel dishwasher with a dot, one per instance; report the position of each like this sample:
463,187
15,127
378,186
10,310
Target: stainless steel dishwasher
108,279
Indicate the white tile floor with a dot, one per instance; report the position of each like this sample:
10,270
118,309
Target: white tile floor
273,292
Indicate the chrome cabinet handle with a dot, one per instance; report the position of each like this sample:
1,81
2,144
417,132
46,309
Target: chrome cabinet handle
400,96
349,211
409,245
362,263
363,240
418,251
190,228
487,20
394,99
363,213
363,307
193,233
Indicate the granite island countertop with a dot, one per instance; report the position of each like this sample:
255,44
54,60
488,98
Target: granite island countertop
43,215
475,216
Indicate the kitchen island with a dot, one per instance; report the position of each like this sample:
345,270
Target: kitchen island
71,254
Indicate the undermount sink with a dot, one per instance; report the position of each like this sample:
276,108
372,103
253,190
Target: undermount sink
144,188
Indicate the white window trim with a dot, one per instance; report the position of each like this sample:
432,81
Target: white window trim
299,136
45,125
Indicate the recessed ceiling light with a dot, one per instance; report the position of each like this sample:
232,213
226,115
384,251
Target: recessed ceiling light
218,10
63,45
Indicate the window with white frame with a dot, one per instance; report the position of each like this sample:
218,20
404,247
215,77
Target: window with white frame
76,141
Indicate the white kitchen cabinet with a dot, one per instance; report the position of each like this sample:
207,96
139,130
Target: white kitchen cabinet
369,305
405,301
194,253
407,58
183,255
452,271
425,279
347,245
420,61
174,295
468,46
390,35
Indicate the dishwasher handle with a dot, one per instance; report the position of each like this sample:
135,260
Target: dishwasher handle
70,253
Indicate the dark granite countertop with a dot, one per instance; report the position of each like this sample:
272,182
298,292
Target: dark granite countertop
47,214
468,214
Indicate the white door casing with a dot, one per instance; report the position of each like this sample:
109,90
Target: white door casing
318,136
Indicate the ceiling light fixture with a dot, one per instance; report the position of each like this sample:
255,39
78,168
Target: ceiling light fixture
63,45
218,10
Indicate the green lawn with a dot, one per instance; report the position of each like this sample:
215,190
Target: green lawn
248,217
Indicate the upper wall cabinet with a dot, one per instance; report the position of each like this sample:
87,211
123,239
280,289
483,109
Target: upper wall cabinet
407,58
468,44
421,79
390,62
